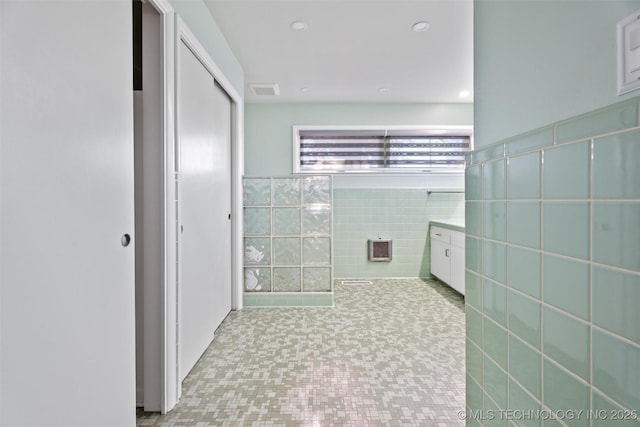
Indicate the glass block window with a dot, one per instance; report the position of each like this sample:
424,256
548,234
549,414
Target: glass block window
287,234
381,150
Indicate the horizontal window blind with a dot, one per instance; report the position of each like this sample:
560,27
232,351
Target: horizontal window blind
379,151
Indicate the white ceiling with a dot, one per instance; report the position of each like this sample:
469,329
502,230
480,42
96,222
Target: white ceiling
352,48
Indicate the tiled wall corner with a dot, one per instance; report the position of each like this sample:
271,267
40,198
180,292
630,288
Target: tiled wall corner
287,240
553,271
402,215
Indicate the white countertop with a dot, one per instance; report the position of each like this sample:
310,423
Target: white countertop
457,225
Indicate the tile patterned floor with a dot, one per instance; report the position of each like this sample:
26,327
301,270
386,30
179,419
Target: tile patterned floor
388,354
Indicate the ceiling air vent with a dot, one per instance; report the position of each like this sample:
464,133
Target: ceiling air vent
265,89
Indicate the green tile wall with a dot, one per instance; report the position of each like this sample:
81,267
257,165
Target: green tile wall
402,215
553,267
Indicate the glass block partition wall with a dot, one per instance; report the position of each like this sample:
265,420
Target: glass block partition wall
287,241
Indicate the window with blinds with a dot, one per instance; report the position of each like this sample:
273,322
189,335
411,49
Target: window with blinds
415,150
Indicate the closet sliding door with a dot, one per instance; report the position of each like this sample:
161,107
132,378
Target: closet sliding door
204,206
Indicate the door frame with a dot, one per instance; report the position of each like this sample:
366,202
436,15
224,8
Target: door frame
174,30
161,301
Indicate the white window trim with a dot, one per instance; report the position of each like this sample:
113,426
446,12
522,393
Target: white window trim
426,130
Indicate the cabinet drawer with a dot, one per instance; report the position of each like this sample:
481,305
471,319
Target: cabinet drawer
441,234
457,239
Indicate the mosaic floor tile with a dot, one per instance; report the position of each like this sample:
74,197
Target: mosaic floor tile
387,354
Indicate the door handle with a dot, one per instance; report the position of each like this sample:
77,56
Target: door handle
125,240
446,252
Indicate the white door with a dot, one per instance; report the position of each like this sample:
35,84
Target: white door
66,194
440,261
203,129
222,189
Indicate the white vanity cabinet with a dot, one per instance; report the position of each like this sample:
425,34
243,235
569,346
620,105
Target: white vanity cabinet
447,256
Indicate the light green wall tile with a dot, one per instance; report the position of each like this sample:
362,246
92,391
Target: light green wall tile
473,218
473,290
495,302
566,228
617,117
615,302
473,183
619,181
495,342
473,326
519,400
401,215
494,260
525,366
500,114
524,318
473,358
494,180
287,300
566,340
524,176
566,285
531,140
616,234
491,414
473,254
495,220
566,172
495,382
605,413
562,392
525,270
474,394
488,153
524,223
616,365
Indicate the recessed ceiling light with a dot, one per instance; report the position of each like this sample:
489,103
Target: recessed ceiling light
383,89
420,26
298,25
464,94
304,89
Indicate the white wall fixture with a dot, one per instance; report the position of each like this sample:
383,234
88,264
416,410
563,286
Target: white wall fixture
629,53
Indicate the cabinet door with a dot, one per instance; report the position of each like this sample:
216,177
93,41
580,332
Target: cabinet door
440,261
457,268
